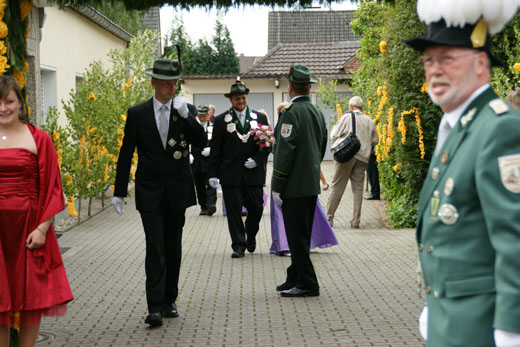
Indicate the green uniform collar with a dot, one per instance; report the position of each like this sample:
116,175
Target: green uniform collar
247,121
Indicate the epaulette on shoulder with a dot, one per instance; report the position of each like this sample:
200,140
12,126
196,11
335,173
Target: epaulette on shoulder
499,106
288,106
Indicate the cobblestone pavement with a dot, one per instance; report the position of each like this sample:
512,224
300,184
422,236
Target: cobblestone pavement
369,294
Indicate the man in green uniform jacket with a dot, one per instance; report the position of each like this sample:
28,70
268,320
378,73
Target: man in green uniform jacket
468,230
301,140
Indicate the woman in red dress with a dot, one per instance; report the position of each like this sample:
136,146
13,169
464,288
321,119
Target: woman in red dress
32,276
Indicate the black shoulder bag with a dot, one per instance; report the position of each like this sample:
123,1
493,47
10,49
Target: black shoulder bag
347,148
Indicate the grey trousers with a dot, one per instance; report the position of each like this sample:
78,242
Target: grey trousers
353,170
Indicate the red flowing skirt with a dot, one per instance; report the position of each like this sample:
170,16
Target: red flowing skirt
32,282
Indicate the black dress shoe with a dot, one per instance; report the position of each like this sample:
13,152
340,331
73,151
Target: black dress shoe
211,210
154,319
250,244
297,292
284,286
238,254
170,311
372,197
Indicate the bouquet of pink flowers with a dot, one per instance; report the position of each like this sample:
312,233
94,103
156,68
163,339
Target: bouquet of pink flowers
263,135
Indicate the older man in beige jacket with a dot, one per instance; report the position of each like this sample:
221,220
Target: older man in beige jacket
354,169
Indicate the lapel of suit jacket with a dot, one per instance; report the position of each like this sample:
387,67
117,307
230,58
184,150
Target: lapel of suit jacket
450,147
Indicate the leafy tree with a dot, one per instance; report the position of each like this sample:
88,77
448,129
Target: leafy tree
225,57
219,57
130,20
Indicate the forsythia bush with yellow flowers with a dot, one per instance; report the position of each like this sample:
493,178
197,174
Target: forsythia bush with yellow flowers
88,145
392,83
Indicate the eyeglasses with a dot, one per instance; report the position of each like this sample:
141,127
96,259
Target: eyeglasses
444,60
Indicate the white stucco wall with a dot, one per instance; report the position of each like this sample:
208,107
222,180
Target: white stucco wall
70,42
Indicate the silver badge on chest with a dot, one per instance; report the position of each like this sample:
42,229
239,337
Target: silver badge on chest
177,155
448,186
448,214
231,127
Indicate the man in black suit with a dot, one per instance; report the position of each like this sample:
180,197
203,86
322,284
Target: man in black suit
239,163
161,129
206,195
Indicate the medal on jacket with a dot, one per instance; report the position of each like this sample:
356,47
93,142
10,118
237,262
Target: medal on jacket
434,204
244,137
177,155
448,214
172,142
231,127
227,118
445,157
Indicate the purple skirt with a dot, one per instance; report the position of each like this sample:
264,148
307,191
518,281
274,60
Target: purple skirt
322,234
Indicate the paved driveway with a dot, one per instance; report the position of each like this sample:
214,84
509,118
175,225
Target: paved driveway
369,293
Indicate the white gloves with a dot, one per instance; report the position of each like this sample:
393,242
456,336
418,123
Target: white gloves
506,338
213,182
423,323
250,163
205,151
277,199
181,106
118,204
191,159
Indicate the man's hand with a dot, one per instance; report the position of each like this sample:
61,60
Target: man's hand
191,159
205,152
181,106
118,204
277,199
423,323
213,182
250,163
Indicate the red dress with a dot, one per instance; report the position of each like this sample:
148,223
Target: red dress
32,282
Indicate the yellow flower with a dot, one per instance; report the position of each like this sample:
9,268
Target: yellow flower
3,48
28,111
3,65
91,130
69,179
339,111
55,135
397,167
402,128
123,119
26,66
26,34
92,96
106,172
516,67
3,30
3,5
380,91
25,8
382,47
424,88
19,76
71,208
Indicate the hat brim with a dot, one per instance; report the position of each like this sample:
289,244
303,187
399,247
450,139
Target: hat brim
157,76
421,43
228,95
312,80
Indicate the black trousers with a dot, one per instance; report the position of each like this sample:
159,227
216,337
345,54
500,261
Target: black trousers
206,195
298,216
163,233
373,174
235,197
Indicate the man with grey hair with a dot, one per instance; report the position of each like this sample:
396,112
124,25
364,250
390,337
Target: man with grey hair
354,169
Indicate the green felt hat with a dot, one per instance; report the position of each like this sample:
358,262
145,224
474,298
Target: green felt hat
202,109
474,36
237,88
165,69
299,74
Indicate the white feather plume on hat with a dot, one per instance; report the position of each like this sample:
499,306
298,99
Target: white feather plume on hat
457,13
